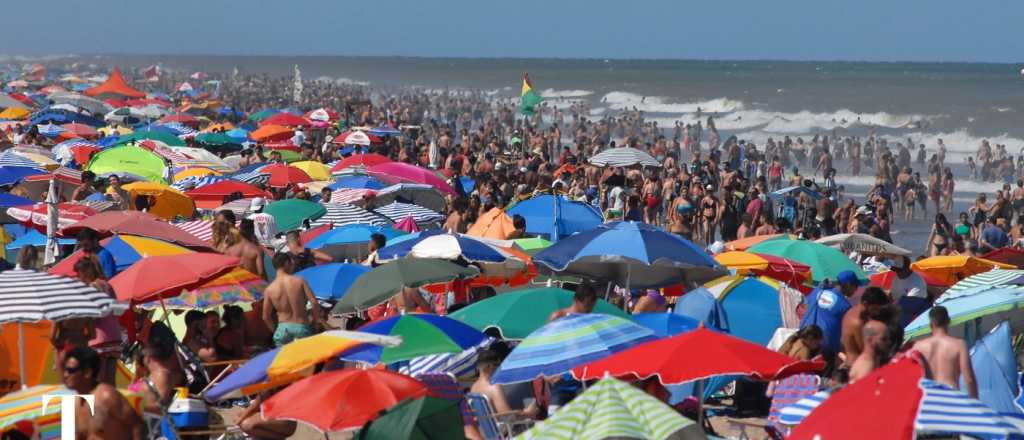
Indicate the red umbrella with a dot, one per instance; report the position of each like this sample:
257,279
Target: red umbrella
181,118
884,279
83,153
212,195
366,160
719,355
356,138
341,399
882,405
284,175
411,173
309,235
35,215
1006,255
286,119
81,130
136,223
283,144
138,284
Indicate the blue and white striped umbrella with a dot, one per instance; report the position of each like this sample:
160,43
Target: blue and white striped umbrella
11,159
50,130
341,214
942,410
461,365
179,129
567,343
438,244
396,211
629,254
194,182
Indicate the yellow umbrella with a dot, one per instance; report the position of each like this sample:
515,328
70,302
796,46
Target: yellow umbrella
221,126
15,113
316,170
112,130
168,202
950,269
195,172
316,186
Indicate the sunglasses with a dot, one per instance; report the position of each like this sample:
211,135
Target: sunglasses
72,370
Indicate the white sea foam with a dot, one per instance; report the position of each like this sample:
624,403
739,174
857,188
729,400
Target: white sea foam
342,81
657,104
552,93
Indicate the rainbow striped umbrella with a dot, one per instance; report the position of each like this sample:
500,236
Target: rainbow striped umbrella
566,343
27,405
237,286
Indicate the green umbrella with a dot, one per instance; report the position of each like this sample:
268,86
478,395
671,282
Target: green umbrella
532,245
612,409
290,213
288,156
218,141
825,262
161,136
129,160
426,418
263,114
517,314
383,282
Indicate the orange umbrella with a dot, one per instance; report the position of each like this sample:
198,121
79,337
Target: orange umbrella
949,269
782,269
177,274
493,224
745,243
271,133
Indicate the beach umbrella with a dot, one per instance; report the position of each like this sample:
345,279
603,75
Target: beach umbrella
212,195
219,141
166,202
556,217
357,138
15,113
348,242
424,418
27,406
285,175
292,361
263,114
614,410
290,213
384,281
271,133
181,118
11,159
287,120
753,307
237,286
114,132
126,251
341,399
531,245
950,269
782,269
403,172
360,160
169,139
356,182
518,313
422,334
341,214
331,281
492,224
315,170
1011,256
624,157
322,115
995,367
396,211
568,342
35,239
407,224
81,130
179,273
417,194
985,280
28,296
629,254
863,244
745,243
195,173
666,324
10,175
36,215
384,131
899,401
129,161
135,223
825,262
494,260
972,316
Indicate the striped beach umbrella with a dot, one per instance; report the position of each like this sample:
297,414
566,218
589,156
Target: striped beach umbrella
27,406
900,402
36,215
396,211
612,409
985,280
341,214
11,159
566,343
201,229
30,296
624,157
972,316
422,334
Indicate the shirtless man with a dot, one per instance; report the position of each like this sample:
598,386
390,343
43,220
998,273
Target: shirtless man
583,301
871,302
947,356
284,310
248,250
112,417
876,344
164,371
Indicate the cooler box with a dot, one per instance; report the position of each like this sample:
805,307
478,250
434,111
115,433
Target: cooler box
189,413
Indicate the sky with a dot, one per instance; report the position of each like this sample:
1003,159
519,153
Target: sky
853,30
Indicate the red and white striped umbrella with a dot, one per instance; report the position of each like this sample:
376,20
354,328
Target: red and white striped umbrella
201,229
35,215
356,138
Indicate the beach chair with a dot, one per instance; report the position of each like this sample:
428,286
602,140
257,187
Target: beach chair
787,392
445,386
493,425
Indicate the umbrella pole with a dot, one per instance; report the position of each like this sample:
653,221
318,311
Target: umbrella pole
21,355
700,403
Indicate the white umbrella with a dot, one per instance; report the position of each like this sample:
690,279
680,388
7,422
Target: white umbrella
624,157
863,244
87,103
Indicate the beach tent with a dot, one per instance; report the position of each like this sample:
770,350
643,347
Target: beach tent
702,306
115,87
995,368
547,215
134,162
492,224
754,307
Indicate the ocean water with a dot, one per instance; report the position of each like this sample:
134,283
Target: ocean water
960,103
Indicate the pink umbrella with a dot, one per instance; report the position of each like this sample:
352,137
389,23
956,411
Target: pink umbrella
407,224
404,172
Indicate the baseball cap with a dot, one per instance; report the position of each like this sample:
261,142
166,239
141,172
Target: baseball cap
257,204
847,277
863,210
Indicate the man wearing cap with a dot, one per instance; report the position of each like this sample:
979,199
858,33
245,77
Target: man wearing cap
265,224
826,307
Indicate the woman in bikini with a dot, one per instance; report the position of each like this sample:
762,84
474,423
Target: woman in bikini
709,216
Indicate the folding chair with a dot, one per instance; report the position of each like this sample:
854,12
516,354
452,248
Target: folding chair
787,392
494,425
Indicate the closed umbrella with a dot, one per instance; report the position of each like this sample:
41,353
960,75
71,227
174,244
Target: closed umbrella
624,157
384,281
518,313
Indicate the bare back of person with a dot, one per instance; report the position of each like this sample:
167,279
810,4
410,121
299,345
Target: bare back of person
288,299
852,340
944,355
112,417
251,256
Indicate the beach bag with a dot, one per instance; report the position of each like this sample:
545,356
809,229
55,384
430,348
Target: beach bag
195,374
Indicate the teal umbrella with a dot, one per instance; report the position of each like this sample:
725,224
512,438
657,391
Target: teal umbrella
517,314
218,141
425,418
161,136
290,213
825,262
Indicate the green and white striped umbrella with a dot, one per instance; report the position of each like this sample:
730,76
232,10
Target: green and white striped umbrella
613,409
992,278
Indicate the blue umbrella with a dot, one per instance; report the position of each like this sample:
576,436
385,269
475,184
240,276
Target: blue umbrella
35,238
384,131
468,184
422,334
454,245
544,218
238,133
666,324
331,281
995,367
629,254
7,200
356,182
568,342
349,234
12,175
157,128
700,305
